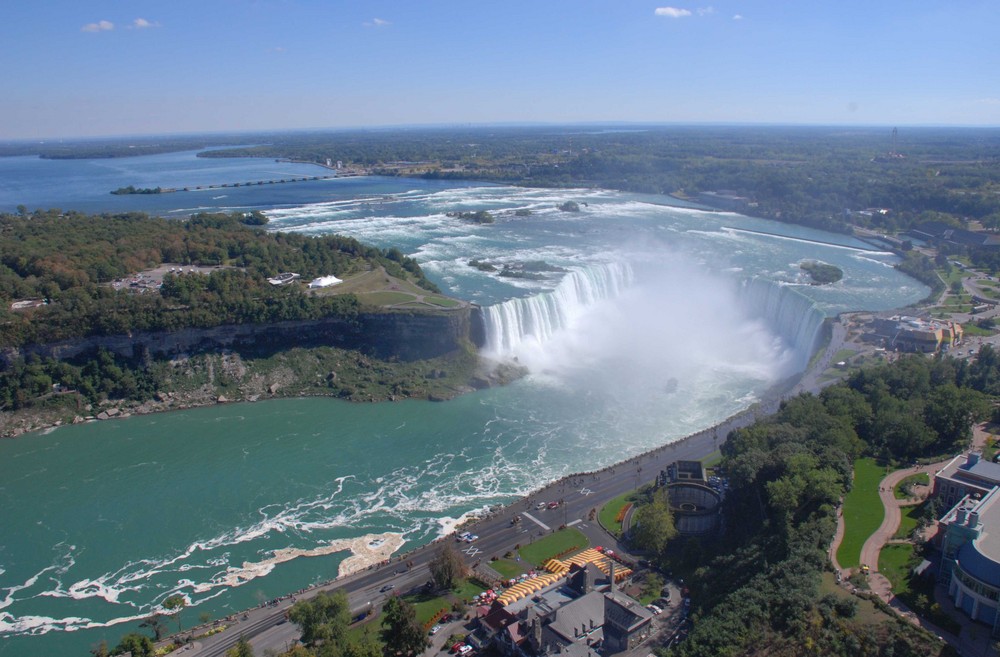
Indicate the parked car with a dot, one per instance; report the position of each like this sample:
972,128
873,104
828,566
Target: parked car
470,538
553,505
387,587
435,630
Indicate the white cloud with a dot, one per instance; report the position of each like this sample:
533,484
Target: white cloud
100,26
989,101
376,22
737,17
706,11
142,23
672,12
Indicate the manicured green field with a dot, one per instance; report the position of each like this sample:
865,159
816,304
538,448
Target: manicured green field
609,512
508,568
545,548
920,478
908,520
863,511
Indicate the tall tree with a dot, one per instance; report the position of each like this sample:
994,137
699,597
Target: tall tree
156,625
654,524
137,644
174,604
241,649
323,619
401,633
447,567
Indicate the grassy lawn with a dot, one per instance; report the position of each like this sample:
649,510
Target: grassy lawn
896,562
386,298
467,590
426,605
443,302
544,549
609,512
909,519
843,354
972,329
921,478
863,511
867,613
710,461
508,568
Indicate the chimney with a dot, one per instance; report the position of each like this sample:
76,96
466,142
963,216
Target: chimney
611,574
974,519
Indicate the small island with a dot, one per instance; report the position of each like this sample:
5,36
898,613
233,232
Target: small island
480,217
822,273
132,189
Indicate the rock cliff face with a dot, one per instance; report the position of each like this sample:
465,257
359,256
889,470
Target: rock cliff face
390,335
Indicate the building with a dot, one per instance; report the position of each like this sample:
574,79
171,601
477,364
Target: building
965,475
695,498
904,333
970,557
324,281
579,616
938,232
284,278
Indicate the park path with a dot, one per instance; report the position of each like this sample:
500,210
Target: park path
872,548
972,639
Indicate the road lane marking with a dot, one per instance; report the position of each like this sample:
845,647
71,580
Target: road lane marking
578,520
586,491
536,521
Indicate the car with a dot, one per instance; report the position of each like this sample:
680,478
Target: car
457,647
656,610
387,587
864,568
540,505
553,505
470,538
435,630
463,536
465,649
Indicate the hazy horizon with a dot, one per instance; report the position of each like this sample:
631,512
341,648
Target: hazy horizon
106,69
639,126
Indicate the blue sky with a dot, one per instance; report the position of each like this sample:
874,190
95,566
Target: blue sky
101,67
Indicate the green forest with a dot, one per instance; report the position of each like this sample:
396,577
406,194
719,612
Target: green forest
70,260
757,590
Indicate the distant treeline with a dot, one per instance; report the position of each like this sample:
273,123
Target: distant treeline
816,176
68,260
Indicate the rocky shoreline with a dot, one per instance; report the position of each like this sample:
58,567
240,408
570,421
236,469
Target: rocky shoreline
442,379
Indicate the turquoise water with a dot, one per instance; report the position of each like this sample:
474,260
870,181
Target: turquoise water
101,522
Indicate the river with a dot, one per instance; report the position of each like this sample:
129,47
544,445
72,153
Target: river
645,323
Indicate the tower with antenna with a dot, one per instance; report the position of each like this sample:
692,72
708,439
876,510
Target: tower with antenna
892,144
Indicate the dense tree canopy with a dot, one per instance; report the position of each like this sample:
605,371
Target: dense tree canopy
69,261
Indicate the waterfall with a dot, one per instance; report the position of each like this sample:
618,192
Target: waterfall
792,315
537,318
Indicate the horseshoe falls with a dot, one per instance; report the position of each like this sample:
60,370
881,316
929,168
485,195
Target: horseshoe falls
638,322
